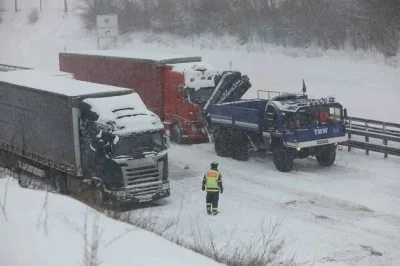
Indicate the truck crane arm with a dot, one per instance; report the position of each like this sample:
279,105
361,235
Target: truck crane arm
230,86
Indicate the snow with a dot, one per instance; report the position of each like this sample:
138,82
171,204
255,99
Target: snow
294,105
140,55
50,72
62,86
357,80
135,118
197,75
331,216
53,235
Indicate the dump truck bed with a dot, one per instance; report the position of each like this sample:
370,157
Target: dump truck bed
244,114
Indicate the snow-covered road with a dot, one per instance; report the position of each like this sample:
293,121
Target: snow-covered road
344,215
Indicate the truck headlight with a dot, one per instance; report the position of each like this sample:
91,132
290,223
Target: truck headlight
165,186
119,193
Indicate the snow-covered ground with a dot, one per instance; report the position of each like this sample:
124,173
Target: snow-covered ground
40,231
330,216
345,215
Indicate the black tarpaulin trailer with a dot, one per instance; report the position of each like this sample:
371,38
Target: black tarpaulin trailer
39,117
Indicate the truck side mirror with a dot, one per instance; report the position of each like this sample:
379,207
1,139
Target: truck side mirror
345,112
167,139
182,92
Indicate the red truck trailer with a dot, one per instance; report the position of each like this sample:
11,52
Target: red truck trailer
176,88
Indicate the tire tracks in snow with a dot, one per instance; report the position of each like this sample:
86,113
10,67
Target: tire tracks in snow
347,218
317,199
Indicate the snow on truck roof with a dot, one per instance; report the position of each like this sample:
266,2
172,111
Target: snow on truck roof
156,58
51,72
58,85
127,112
197,74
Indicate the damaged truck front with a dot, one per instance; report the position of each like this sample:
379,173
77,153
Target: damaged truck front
77,133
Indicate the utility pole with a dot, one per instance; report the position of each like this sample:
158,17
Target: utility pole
41,7
65,6
16,6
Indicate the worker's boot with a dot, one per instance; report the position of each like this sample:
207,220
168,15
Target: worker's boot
215,212
209,210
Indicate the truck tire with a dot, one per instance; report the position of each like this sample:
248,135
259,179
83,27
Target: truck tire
2,159
283,158
94,197
176,134
239,148
326,155
222,143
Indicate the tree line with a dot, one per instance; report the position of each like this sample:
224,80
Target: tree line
330,24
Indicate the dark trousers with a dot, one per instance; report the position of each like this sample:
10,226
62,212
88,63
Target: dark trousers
212,200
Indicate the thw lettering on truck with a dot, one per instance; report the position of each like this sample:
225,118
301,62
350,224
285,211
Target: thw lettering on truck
320,131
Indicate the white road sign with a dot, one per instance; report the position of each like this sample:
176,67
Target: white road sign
107,21
107,32
107,27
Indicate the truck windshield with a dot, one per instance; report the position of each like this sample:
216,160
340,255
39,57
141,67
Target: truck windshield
315,115
200,96
139,145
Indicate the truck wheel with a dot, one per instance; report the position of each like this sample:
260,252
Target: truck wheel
176,134
239,148
60,184
326,155
283,158
2,159
222,144
95,197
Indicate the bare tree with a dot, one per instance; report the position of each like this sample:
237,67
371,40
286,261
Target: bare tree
298,23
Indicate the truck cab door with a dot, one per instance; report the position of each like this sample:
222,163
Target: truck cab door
269,125
181,109
270,119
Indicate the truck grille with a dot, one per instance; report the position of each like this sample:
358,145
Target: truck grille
144,179
141,175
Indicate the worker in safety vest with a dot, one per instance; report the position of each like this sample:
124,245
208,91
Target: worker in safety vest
212,181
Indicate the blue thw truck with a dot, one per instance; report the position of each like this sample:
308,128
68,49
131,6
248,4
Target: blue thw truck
288,125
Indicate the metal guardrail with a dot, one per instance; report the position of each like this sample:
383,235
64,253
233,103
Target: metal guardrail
386,133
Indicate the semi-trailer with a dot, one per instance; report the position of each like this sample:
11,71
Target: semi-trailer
73,131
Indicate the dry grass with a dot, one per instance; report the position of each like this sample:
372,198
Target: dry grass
3,201
264,249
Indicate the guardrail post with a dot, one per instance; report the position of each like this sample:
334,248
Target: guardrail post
366,138
385,141
349,136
